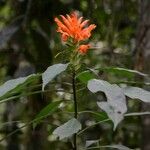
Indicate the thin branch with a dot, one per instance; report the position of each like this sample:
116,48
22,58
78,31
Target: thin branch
75,106
28,94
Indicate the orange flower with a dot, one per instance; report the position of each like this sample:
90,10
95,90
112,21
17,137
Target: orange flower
74,27
83,48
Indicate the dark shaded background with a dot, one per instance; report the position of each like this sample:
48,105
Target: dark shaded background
28,44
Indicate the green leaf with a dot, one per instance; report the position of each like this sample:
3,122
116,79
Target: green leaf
68,129
46,111
122,71
98,116
113,114
51,72
15,85
137,93
91,142
115,107
85,76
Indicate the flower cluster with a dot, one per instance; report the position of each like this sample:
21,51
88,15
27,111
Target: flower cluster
75,28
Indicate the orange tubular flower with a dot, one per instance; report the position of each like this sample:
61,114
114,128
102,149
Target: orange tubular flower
73,27
83,48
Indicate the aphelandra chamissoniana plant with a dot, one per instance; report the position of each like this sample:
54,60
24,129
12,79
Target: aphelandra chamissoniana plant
74,32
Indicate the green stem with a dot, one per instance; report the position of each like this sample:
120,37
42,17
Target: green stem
75,107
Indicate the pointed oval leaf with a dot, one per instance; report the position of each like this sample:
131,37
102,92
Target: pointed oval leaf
51,72
137,93
91,142
112,113
68,129
13,84
85,76
113,92
115,107
122,71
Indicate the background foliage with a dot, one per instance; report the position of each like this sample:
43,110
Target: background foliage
29,44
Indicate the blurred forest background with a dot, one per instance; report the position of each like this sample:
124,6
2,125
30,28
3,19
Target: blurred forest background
29,43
